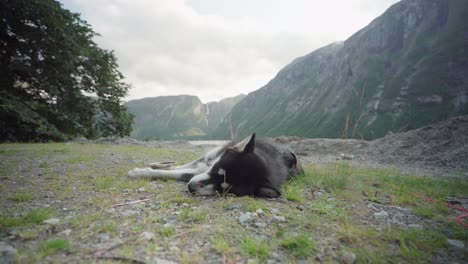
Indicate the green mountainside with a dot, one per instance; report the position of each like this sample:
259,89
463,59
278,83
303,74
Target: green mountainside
177,117
406,69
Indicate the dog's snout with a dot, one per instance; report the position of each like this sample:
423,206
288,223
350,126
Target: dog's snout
191,187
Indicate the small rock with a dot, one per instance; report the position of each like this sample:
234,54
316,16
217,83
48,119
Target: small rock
382,215
128,213
233,207
274,211
300,207
148,236
346,156
141,189
279,218
49,194
7,253
348,258
260,224
185,205
174,248
66,232
243,218
456,244
259,211
103,237
51,221
318,194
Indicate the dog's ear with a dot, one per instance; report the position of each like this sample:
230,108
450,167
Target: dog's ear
268,192
247,145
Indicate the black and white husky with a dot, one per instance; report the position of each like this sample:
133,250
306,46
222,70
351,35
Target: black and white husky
247,167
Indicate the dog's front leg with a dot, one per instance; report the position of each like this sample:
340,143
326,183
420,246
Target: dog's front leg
177,174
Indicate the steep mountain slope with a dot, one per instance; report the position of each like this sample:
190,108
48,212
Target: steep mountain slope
406,69
172,117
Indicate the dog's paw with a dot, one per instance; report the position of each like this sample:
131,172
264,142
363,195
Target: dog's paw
133,173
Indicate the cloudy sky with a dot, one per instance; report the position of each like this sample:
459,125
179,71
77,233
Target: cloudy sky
216,48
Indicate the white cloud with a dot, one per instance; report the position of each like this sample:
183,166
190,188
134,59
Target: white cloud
212,48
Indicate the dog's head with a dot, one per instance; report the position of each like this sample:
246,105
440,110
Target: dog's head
238,170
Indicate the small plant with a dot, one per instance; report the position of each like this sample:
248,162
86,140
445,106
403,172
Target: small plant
298,245
21,197
104,182
53,245
255,248
165,231
293,193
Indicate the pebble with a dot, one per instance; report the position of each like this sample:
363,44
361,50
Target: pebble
279,218
7,253
381,215
274,211
348,258
456,244
66,232
233,207
259,211
260,224
148,236
49,194
141,189
128,213
103,237
51,221
245,217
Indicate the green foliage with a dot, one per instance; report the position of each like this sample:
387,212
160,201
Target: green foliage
49,68
255,248
298,245
53,245
34,217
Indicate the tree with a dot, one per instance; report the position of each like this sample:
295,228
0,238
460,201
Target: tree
55,82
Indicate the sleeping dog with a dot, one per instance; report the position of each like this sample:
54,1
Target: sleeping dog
251,166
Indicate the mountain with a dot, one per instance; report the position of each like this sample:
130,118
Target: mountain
406,69
177,117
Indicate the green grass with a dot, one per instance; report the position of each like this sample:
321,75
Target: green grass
53,245
298,245
33,217
21,197
79,159
256,248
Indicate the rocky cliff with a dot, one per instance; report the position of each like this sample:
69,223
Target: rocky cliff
177,117
406,69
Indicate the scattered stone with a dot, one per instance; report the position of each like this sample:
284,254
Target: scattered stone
318,195
274,211
66,232
51,221
148,236
382,215
279,218
174,248
348,258
233,207
171,218
7,253
456,244
245,217
259,211
260,224
103,237
161,261
301,207
346,156
141,189
128,213
49,194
